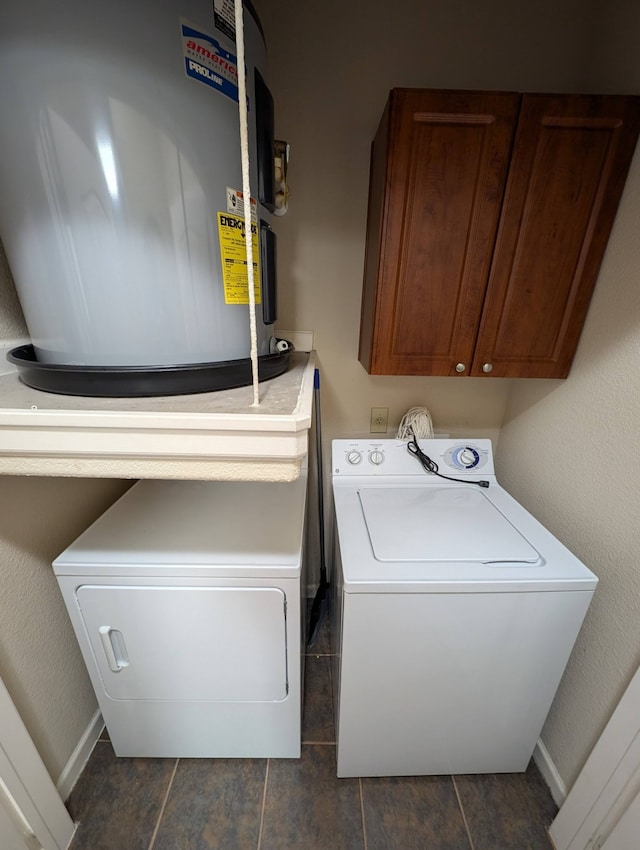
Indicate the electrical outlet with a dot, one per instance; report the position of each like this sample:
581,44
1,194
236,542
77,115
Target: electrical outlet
379,419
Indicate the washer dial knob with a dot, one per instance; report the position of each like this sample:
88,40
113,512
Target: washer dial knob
469,457
376,457
354,457
466,456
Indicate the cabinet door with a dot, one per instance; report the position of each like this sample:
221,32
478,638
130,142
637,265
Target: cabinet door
569,164
438,170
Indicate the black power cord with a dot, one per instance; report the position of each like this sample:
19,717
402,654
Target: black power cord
432,467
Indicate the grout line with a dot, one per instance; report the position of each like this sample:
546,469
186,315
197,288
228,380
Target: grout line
264,803
364,826
464,817
163,806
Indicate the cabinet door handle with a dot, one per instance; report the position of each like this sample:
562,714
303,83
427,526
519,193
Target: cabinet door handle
487,367
114,648
460,367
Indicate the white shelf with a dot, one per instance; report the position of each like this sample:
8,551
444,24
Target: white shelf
215,436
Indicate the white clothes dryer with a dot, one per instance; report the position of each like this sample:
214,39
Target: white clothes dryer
185,597
456,612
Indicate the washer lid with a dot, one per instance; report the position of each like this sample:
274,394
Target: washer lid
440,524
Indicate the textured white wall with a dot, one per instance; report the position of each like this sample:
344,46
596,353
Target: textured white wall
568,449
331,68
40,662
12,323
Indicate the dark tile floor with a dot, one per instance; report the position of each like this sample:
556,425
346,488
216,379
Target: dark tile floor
277,804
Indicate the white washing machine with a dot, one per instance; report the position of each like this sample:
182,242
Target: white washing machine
185,597
456,613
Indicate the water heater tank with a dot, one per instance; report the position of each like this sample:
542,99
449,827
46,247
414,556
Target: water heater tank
121,208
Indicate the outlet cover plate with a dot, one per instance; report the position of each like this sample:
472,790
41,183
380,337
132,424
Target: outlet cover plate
379,420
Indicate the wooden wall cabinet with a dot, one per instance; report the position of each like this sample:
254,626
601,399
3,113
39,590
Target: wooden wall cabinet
489,215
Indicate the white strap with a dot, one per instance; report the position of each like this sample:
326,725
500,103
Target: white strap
246,192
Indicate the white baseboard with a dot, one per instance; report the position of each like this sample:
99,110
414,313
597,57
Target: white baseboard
549,773
79,757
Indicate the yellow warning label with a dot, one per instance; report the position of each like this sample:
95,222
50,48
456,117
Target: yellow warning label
233,254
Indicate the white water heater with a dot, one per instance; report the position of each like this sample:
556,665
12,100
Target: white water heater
121,208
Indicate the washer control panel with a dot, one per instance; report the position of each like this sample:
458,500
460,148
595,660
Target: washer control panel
391,457
357,456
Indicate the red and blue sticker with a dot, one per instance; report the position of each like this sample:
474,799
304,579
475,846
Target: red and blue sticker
206,60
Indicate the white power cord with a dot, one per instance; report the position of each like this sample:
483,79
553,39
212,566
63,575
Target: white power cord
415,423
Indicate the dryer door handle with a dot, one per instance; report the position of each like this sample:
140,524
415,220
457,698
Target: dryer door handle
114,648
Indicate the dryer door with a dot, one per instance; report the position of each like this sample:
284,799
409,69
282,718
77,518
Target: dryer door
187,643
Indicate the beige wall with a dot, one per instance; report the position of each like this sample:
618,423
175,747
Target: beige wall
12,324
331,67
568,449
40,661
